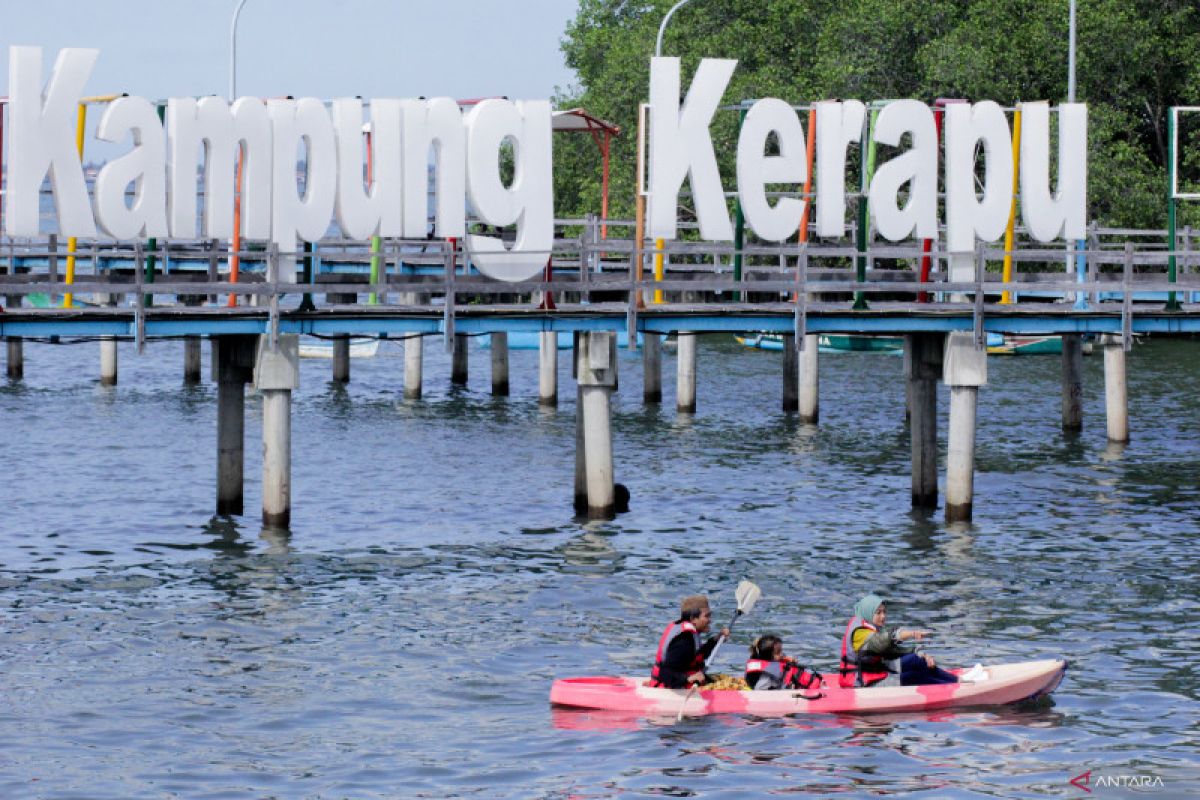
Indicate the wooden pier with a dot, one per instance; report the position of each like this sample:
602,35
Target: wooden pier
596,285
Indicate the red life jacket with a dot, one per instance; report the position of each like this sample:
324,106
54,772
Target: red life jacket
673,630
851,672
788,674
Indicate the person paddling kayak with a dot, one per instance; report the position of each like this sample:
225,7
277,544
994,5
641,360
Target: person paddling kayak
874,654
679,660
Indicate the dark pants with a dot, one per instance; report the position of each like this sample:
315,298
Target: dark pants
915,672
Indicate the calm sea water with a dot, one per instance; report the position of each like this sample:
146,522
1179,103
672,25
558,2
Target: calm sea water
402,640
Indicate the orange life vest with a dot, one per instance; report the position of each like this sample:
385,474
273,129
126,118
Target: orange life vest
851,671
673,630
788,674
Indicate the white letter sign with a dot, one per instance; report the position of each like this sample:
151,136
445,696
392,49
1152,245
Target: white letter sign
42,140
680,145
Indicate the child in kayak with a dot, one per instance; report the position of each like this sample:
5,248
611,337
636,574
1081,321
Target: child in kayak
769,668
680,658
874,654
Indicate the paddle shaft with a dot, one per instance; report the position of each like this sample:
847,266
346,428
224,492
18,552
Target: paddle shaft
721,640
707,661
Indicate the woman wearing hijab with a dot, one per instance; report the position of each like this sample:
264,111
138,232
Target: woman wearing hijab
874,654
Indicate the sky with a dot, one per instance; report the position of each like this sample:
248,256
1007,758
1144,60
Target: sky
306,48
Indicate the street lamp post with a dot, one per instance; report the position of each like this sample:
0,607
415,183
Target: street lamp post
667,18
1078,247
1071,55
233,50
640,200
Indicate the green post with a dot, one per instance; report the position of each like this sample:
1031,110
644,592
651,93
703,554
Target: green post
1172,301
867,153
376,263
151,260
739,226
306,302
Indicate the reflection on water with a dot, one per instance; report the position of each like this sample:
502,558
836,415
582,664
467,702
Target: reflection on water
401,640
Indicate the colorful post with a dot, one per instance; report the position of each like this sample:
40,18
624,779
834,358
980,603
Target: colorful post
72,242
376,241
639,202
659,267
235,244
1172,177
306,302
1006,296
739,225
809,156
927,244
867,154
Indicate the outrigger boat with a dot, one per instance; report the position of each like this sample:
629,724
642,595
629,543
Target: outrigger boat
360,347
1012,345
1000,684
830,342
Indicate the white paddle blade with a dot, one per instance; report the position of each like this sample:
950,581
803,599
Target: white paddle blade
747,595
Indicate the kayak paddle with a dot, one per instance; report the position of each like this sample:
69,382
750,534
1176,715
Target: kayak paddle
747,595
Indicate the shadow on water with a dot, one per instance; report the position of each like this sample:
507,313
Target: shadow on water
223,536
226,537
278,540
923,529
591,552
336,401
194,399
1113,452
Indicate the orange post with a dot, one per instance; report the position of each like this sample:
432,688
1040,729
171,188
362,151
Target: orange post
235,244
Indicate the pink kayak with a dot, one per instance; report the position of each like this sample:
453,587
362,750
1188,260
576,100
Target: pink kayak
1000,684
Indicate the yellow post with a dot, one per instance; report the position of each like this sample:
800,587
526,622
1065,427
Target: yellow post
658,268
1006,296
80,124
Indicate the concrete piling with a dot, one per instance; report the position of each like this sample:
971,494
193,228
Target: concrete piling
923,366
548,368
965,371
233,362
458,360
500,364
596,371
414,359
108,361
581,492
277,375
1072,382
580,443
191,360
651,368
414,351
791,366
16,358
16,350
340,372
341,359
809,400
685,373
1116,397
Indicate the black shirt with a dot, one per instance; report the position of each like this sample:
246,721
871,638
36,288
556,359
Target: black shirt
677,661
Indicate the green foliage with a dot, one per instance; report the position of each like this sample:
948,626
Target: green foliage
1135,59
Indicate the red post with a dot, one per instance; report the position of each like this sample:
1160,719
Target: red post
927,244
604,184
